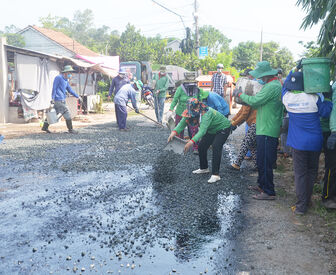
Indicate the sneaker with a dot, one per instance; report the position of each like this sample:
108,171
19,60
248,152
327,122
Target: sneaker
214,178
235,167
201,171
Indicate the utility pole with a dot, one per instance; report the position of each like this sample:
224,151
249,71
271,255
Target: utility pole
197,43
261,45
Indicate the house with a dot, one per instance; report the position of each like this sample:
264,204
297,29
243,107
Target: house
53,42
173,45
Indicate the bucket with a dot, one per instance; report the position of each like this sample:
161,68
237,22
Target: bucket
51,116
316,75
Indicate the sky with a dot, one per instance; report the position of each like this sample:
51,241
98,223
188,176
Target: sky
239,20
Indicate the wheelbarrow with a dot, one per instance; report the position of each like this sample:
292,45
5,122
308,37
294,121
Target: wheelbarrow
176,145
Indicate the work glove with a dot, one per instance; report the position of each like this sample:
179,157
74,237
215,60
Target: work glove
169,115
299,64
137,110
331,142
237,92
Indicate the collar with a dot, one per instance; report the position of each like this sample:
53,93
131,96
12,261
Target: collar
272,79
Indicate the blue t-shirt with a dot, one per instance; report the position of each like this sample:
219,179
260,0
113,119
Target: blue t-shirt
126,92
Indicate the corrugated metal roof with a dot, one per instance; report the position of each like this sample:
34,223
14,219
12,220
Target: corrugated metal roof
65,41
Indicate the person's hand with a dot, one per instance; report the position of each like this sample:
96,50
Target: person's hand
299,65
169,115
109,98
188,146
52,102
172,135
137,110
80,99
232,128
236,93
331,142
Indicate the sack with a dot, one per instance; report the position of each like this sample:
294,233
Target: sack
247,86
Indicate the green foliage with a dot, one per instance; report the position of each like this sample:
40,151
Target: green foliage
311,49
13,38
214,39
245,55
321,11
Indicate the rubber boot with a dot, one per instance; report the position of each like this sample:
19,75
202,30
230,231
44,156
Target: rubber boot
69,125
45,127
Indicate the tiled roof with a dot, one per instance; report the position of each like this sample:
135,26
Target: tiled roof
65,41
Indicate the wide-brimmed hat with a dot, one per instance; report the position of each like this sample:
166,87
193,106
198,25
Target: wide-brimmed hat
68,68
295,83
203,94
163,69
262,69
192,105
190,77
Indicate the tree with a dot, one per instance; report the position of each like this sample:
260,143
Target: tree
13,38
213,39
321,11
311,49
245,55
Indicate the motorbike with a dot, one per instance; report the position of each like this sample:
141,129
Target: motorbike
147,96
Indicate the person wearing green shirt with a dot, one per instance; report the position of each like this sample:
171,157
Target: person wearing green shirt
188,89
161,87
269,108
329,148
214,129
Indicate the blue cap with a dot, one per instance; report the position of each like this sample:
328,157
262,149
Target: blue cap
295,82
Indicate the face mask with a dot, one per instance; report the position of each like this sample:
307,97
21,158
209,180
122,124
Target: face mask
260,81
69,76
219,70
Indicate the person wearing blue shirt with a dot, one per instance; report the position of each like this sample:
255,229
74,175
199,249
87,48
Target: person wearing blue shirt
120,80
304,135
126,93
215,101
60,89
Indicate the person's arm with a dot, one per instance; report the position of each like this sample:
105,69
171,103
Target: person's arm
165,86
70,90
180,127
175,99
261,98
241,116
112,87
131,96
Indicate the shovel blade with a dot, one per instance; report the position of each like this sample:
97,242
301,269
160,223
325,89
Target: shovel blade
176,145
171,124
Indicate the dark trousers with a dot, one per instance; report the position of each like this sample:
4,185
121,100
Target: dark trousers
305,173
121,114
217,141
329,186
266,158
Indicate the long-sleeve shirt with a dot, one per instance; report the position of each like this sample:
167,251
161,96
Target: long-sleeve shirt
269,108
217,102
305,110
162,84
126,92
246,113
117,83
180,99
211,122
60,87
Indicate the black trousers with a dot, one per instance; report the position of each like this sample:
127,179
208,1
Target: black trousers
217,141
305,173
329,186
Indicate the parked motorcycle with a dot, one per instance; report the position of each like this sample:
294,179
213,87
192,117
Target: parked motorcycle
147,96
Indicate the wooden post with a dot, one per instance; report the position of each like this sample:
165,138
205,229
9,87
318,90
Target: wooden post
4,96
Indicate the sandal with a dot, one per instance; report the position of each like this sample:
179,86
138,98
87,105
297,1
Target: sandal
263,196
255,188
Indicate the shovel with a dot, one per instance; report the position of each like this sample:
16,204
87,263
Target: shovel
147,117
176,145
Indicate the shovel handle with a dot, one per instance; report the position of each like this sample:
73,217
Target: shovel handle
147,117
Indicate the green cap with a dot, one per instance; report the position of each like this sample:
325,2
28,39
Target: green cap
203,94
262,69
68,68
